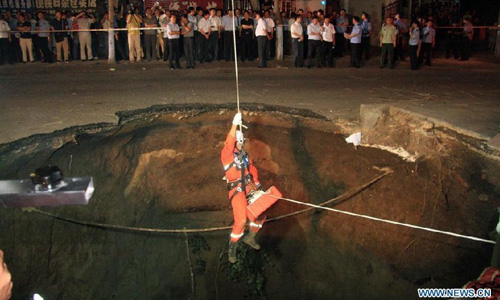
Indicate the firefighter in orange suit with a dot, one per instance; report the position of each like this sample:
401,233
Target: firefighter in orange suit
242,178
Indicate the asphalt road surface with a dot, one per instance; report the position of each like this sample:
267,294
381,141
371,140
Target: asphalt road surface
41,98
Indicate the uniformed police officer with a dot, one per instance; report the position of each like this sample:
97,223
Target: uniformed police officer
414,43
355,38
428,42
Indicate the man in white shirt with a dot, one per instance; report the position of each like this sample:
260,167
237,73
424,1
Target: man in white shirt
270,29
5,39
204,29
213,42
228,28
174,48
262,35
328,44
314,42
297,33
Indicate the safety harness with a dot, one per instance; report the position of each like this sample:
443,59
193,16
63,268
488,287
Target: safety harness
242,163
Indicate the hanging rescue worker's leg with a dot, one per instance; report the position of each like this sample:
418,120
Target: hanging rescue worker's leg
255,226
239,204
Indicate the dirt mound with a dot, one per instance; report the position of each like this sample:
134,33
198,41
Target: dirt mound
164,171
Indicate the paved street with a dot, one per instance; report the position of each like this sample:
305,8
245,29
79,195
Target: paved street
41,98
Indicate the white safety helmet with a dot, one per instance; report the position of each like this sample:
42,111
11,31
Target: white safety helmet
240,138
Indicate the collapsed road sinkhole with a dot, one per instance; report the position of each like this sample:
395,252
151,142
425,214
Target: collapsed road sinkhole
160,168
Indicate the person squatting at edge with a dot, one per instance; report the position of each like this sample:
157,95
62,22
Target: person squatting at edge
5,280
242,178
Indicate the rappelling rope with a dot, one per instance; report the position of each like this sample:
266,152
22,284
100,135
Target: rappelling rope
340,198
386,221
235,59
236,71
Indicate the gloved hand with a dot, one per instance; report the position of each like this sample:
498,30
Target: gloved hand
258,186
237,119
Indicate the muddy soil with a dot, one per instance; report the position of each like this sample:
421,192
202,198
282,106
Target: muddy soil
164,171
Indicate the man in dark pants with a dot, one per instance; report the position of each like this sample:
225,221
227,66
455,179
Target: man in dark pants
414,44
228,29
401,26
213,42
467,37
314,42
174,51
192,18
270,29
43,28
366,32
297,33
355,38
453,40
342,22
14,48
5,39
150,36
187,38
246,37
428,42
204,29
262,38
388,38
328,44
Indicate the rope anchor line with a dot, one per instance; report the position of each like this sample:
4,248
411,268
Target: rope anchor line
311,206
389,221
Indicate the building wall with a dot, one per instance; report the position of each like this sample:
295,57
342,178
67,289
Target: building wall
373,8
310,5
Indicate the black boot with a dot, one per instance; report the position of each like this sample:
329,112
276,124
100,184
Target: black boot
249,239
232,252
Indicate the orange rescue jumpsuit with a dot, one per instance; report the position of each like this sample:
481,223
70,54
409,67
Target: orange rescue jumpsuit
232,166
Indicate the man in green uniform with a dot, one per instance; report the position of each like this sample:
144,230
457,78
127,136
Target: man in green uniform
388,40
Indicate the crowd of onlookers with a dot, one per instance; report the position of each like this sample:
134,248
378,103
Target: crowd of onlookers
311,38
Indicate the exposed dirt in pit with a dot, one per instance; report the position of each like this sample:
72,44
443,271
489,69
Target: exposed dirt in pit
163,171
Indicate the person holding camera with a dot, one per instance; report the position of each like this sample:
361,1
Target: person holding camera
134,22
59,25
84,21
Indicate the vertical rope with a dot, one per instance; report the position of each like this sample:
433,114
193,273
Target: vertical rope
236,62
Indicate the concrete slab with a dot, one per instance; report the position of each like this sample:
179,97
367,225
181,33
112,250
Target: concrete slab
495,142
